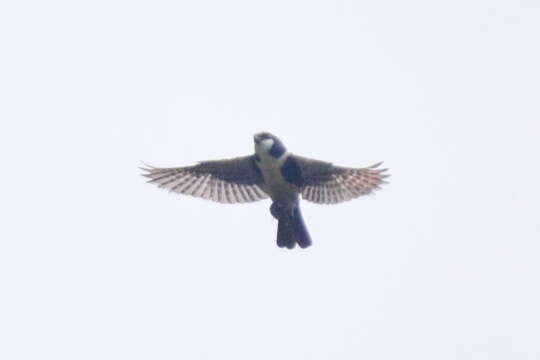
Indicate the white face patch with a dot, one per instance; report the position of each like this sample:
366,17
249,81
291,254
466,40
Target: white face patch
263,148
266,144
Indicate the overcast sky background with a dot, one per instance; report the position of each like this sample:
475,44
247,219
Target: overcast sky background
441,264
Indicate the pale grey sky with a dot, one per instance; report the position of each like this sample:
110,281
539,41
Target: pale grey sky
441,264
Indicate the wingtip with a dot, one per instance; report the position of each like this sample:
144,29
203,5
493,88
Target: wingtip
380,172
148,169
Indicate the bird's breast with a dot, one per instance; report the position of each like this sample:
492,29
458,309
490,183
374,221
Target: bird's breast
275,185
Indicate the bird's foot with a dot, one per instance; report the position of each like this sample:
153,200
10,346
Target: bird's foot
277,210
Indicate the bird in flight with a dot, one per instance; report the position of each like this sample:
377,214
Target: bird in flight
276,173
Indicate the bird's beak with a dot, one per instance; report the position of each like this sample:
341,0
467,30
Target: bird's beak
257,139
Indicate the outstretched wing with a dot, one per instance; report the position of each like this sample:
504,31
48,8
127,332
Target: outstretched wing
227,181
323,183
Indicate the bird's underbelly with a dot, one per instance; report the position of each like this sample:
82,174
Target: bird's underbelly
276,186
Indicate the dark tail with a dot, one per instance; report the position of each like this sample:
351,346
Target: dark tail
292,230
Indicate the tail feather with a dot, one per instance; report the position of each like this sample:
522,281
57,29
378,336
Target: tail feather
301,233
292,230
285,236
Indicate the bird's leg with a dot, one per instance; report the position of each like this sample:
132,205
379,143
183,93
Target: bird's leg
276,210
281,211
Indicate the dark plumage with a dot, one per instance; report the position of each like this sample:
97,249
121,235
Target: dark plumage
275,173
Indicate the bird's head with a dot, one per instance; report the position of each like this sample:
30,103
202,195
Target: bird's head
267,144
